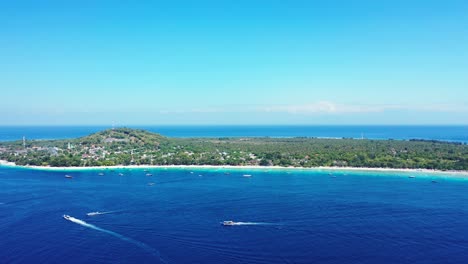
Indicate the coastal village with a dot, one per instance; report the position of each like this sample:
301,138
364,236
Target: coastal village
114,147
125,146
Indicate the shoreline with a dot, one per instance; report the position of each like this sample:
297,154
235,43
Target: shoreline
229,167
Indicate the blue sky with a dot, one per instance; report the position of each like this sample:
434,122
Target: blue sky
233,62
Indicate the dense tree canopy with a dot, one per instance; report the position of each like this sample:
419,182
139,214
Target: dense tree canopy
125,146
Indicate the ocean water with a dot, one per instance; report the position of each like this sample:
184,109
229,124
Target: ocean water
284,217
446,133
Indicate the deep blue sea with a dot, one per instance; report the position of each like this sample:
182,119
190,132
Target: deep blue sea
285,217
446,133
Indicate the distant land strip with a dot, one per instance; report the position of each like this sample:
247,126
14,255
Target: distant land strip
135,147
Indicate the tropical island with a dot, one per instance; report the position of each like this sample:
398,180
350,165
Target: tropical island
125,147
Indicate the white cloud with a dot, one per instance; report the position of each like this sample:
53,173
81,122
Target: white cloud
326,107
322,107
313,108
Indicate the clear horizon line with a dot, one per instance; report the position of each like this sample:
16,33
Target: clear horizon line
213,125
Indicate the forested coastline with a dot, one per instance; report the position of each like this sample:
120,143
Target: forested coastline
124,146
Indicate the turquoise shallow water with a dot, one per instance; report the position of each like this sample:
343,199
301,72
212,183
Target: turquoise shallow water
446,133
287,216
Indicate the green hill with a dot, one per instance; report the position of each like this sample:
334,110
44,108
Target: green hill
125,146
123,137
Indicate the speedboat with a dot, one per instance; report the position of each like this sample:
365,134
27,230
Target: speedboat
67,217
68,176
93,213
149,174
247,175
101,174
121,174
150,183
228,223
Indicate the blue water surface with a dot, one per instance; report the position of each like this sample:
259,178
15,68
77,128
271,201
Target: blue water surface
445,133
286,216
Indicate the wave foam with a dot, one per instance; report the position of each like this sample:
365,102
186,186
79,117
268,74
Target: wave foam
142,245
251,223
100,213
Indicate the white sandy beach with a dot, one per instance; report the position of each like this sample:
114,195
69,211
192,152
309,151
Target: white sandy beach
356,169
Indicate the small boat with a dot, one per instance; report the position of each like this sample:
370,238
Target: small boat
121,174
68,176
434,181
145,170
149,174
228,223
67,217
93,213
411,176
151,183
227,173
101,174
247,175
191,172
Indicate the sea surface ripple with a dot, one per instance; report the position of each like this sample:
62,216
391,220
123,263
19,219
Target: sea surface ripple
283,217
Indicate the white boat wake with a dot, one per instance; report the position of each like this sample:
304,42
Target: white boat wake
142,245
100,213
248,223
229,223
